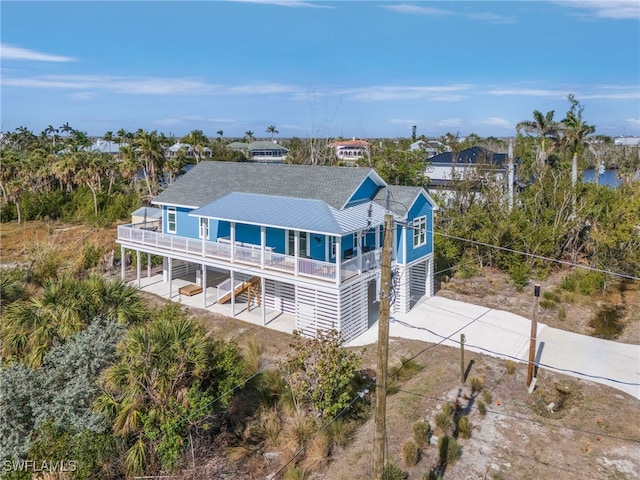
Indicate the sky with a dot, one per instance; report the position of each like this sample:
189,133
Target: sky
316,69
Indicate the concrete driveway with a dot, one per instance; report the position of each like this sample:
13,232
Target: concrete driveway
506,335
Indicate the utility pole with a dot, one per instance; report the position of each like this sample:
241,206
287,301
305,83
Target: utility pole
462,340
534,331
383,351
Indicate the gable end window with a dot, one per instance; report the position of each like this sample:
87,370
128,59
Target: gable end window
172,220
419,231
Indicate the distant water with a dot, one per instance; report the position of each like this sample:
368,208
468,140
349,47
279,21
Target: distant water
608,178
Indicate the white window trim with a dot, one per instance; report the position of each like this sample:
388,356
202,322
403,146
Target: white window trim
172,210
420,231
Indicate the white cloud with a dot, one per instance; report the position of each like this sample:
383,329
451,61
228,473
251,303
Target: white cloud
449,122
614,9
9,52
418,10
528,92
285,3
438,12
497,122
402,121
634,122
393,92
82,96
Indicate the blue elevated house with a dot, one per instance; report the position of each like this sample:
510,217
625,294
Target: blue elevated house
295,239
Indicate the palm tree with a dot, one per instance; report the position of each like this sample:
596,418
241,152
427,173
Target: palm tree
150,152
51,130
272,130
65,306
160,362
575,132
249,135
66,128
545,128
198,142
221,133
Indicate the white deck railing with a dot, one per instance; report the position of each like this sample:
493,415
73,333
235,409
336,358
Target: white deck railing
248,254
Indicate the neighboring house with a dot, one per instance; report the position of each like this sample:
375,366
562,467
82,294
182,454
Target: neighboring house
292,239
261,151
350,151
476,165
430,147
627,141
188,151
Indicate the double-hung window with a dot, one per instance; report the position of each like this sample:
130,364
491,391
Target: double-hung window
204,228
172,220
419,231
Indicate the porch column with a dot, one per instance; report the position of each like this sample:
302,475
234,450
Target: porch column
204,286
138,268
264,307
327,241
359,250
148,265
170,261
233,293
296,249
232,237
377,239
338,260
263,244
404,244
123,261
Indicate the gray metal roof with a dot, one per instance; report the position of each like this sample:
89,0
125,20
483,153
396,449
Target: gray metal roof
211,180
294,213
274,211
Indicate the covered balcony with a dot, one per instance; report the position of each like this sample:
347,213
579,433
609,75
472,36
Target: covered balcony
258,256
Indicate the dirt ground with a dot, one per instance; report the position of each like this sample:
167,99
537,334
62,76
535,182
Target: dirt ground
592,432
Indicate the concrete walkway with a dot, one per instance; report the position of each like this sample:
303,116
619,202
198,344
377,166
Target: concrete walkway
506,335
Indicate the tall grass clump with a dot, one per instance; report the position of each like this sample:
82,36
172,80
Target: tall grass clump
410,453
464,427
422,433
394,472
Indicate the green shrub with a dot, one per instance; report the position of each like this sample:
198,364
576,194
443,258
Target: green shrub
551,296
511,367
482,407
394,472
547,304
477,384
449,450
486,396
569,283
464,427
431,475
293,473
410,453
443,422
422,432
339,432
562,313
519,273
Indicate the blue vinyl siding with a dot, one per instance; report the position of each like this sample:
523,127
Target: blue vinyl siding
421,207
316,246
247,233
186,226
366,191
276,238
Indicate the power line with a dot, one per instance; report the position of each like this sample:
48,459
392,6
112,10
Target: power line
360,394
527,419
504,355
